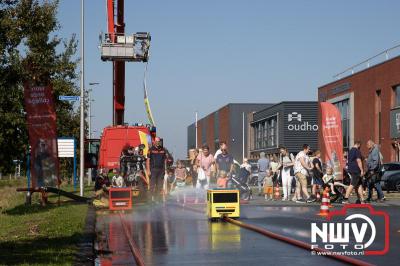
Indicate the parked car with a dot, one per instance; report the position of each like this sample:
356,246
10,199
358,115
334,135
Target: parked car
390,173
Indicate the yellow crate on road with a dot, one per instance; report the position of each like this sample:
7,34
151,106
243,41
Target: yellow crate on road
223,202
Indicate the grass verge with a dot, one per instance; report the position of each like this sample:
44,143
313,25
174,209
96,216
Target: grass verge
36,235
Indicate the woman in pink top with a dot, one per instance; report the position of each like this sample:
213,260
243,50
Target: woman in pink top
205,160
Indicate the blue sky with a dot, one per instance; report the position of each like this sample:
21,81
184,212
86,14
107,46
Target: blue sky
205,54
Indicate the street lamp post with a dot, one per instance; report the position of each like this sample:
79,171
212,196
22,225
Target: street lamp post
195,125
90,114
88,133
90,108
90,124
82,125
243,133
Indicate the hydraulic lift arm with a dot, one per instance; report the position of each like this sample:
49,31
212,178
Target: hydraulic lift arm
118,48
118,66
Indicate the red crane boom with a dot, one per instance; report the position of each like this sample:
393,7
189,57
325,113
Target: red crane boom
119,48
118,66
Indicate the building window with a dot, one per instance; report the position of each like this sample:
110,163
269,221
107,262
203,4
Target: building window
396,91
265,137
272,135
265,133
378,107
344,110
259,135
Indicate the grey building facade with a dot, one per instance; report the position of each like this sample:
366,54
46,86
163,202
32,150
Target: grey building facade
225,124
289,124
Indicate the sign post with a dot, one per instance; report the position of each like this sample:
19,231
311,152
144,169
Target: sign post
67,149
68,98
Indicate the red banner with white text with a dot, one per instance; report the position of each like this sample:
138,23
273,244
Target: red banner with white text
41,119
332,138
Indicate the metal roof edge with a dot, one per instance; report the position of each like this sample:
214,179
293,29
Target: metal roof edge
359,72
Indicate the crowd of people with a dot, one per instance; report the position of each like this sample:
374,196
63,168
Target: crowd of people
206,169
365,176
295,174
301,178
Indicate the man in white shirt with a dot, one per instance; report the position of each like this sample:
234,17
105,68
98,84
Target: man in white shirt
301,168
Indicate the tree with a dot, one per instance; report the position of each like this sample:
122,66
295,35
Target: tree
30,52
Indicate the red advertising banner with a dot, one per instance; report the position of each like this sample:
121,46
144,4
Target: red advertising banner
41,119
332,137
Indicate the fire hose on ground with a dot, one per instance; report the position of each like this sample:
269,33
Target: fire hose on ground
132,244
285,239
297,243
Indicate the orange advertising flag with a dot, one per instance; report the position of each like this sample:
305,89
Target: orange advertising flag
332,137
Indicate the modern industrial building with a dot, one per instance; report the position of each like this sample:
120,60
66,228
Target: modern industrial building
288,124
226,124
369,102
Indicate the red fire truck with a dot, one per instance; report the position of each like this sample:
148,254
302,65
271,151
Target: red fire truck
115,138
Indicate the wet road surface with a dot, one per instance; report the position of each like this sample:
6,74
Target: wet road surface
295,222
167,234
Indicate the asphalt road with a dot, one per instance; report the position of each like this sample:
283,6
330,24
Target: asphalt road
167,235
170,235
295,222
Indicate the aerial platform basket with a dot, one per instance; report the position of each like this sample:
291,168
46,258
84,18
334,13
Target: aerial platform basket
223,202
121,47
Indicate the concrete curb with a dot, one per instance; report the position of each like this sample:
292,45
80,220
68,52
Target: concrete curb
85,253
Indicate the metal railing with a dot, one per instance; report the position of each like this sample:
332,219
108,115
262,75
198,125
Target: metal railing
122,47
123,38
374,60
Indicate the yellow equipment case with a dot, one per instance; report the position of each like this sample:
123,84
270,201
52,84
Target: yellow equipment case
223,202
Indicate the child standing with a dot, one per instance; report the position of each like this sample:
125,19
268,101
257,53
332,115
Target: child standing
169,181
329,179
268,184
180,174
222,179
117,179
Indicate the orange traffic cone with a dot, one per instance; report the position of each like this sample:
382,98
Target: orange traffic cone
324,210
277,194
318,195
329,199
